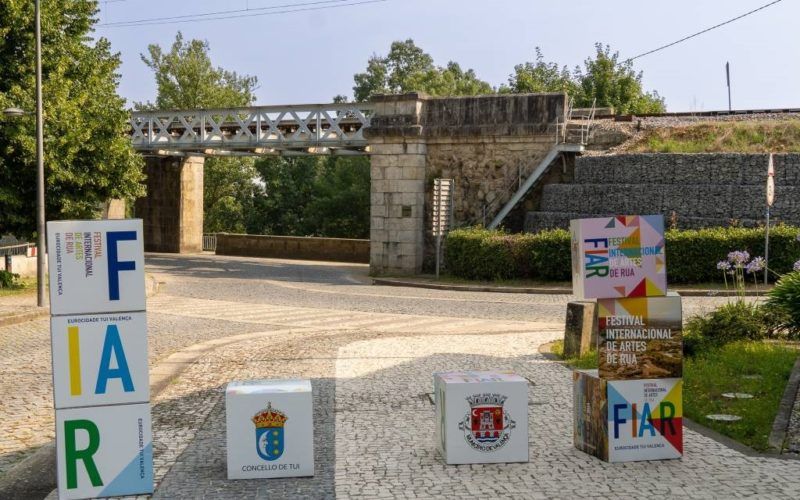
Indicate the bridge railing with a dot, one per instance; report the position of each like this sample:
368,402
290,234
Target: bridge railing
256,129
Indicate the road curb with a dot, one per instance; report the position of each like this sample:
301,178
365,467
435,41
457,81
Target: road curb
22,317
472,288
685,292
780,426
152,286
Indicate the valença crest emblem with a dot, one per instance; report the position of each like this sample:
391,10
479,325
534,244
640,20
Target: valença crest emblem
486,427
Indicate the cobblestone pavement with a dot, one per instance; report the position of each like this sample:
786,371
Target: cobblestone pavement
370,352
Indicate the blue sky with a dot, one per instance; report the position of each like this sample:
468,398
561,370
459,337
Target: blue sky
308,57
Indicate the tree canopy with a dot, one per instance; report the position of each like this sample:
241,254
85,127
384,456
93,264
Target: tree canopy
612,82
87,155
540,76
187,79
407,68
312,196
604,80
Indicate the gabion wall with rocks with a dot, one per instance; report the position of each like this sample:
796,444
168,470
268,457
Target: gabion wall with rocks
691,190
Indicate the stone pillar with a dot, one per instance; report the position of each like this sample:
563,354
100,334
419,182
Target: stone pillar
397,201
113,209
173,209
581,331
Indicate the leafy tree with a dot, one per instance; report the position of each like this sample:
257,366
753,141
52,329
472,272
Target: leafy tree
604,80
312,196
340,206
288,185
540,76
88,156
407,68
187,79
611,82
228,191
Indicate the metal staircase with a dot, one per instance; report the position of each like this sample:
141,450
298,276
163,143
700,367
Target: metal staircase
569,139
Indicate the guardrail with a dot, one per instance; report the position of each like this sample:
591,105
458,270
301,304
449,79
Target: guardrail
18,249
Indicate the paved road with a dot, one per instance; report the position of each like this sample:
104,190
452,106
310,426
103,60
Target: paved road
370,352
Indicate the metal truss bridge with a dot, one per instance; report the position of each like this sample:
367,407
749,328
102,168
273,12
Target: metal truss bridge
256,130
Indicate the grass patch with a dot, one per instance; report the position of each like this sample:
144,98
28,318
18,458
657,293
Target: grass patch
725,369
768,136
26,285
586,361
710,374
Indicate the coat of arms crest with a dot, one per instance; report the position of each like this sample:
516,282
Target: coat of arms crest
269,432
486,427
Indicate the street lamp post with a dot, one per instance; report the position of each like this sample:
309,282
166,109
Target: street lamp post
40,229
15,112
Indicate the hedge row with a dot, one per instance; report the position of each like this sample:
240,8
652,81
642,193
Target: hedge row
692,255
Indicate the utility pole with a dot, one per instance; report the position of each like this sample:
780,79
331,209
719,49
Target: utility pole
40,249
770,201
728,78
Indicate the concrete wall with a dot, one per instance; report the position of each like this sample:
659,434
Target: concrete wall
113,209
288,247
701,190
20,264
173,209
484,143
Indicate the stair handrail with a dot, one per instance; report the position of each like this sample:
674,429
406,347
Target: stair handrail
567,119
587,128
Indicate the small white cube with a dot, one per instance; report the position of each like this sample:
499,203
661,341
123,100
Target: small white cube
270,429
481,417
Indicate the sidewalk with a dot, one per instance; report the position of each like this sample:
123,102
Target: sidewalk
20,308
426,281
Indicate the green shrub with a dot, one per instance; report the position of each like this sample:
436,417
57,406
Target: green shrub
785,297
552,260
493,255
9,280
692,255
729,323
480,254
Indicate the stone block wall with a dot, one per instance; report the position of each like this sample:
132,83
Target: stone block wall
172,212
484,143
701,190
20,264
290,247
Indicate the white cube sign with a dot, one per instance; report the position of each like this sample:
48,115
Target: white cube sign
96,266
270,429
104,451
100,359
98,331
481,417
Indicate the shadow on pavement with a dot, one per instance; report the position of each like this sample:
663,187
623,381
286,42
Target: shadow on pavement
201,470
211,267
